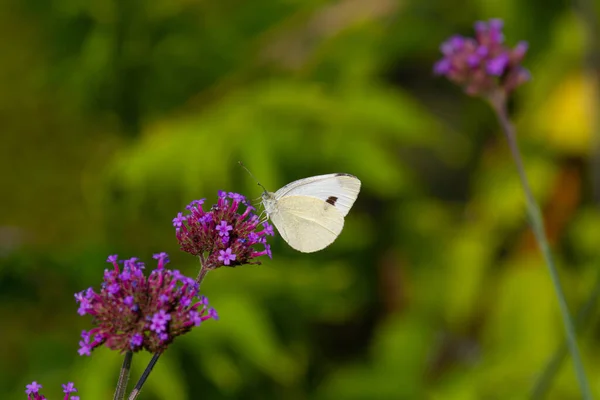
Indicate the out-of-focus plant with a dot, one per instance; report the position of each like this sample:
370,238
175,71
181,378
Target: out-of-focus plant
484,66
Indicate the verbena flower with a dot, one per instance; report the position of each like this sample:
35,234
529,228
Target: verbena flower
132,312
227,235
484,64
33,391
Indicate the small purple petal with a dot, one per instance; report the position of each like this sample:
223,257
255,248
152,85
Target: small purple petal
495,31
125,275
164,257
195,317
268,229
159,321
33,387
197,204
212,313
136,340
206,219
84,349
482,51
237,197
442,67
185,301
113,288
452,45
480,27
496,66
179,220
520,50
226,256
496,24
69,388
473,60
223,228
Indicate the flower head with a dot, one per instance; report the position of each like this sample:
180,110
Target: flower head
33,391
69,388
226,235
135,312
33,388
483,64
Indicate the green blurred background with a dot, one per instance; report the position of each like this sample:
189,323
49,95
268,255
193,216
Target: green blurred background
116,114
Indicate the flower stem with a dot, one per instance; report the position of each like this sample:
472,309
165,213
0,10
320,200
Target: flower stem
203,270
123,377
498,103
138,387
544,380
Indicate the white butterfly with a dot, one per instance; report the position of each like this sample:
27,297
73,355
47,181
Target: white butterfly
309,213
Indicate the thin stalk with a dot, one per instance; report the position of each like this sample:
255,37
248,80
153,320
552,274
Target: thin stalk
203,270
542,384
537,223
123,377
138,387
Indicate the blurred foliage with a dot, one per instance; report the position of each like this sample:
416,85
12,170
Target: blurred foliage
115,114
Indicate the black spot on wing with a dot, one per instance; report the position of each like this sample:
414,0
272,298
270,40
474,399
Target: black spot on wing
331,200
344,174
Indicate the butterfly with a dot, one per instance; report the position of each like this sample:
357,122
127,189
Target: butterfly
309,213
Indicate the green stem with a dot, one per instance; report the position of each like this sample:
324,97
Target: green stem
203,270
138,387
123,377
498,103
542,384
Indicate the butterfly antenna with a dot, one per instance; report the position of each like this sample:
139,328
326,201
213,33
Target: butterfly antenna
248,171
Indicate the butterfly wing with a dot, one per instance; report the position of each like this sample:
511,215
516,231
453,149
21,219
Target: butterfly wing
307,224
339,190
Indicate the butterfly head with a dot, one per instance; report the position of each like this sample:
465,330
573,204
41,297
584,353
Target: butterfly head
269,201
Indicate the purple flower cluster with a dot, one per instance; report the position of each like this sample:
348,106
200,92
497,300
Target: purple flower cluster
33,391
223,236
483,64
132,312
